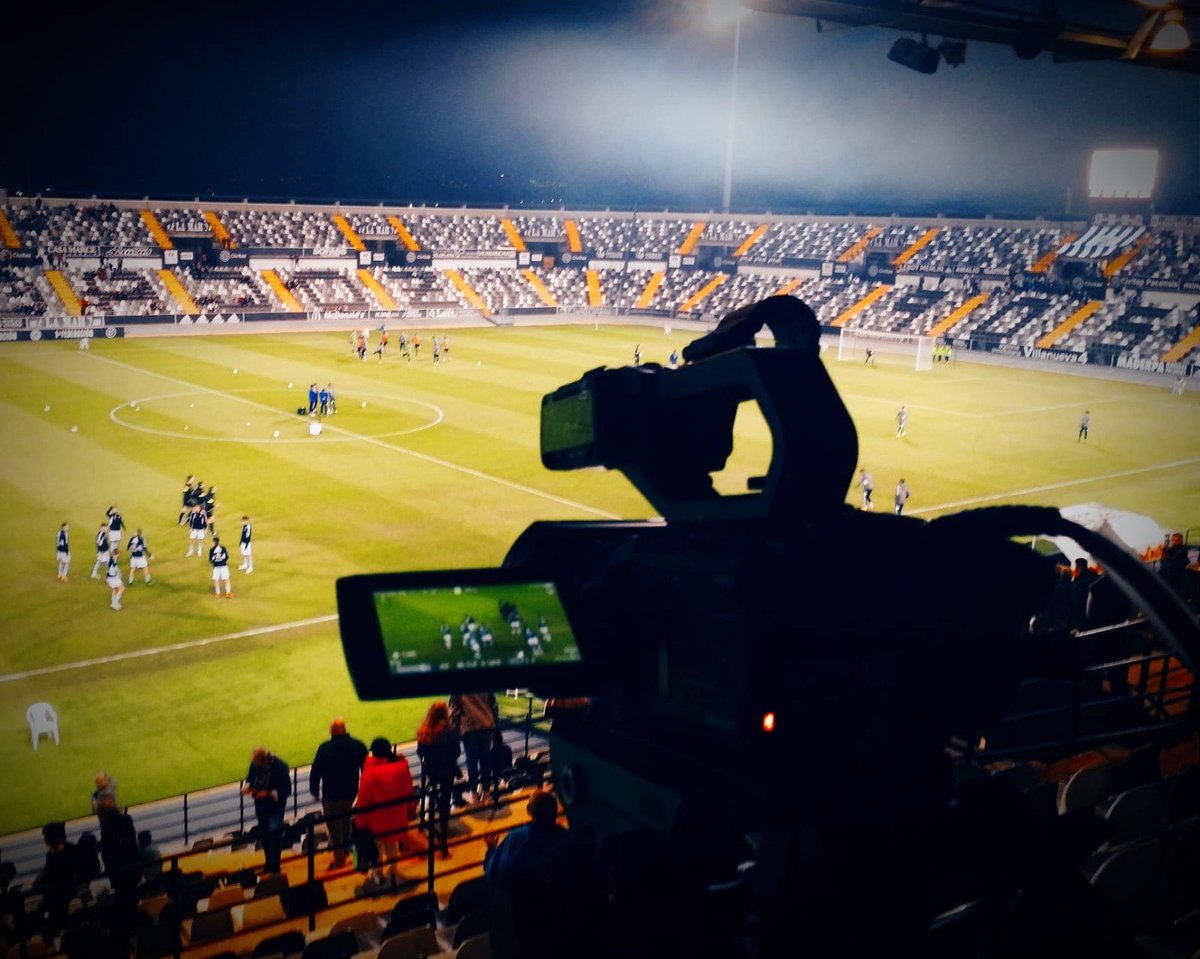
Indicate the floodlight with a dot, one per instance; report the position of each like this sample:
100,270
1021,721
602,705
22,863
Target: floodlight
1172,36
1123,173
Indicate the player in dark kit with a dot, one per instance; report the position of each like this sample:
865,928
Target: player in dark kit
189,489
218,558
102,550
62,547
244,546
139,556
116,523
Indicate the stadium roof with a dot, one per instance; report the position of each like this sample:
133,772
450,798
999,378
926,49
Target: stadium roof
1068,30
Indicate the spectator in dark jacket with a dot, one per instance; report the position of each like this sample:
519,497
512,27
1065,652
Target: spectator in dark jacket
476,716
57,883
438,748
119,848
334,780
269,784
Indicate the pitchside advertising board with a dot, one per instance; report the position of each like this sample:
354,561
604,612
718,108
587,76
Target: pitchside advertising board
33,336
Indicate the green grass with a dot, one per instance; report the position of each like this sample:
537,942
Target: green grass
440,469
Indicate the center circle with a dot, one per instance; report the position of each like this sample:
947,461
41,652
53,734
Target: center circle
333,433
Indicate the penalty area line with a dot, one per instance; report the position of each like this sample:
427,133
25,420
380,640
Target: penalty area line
159,650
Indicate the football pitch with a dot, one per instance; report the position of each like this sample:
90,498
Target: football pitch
422,467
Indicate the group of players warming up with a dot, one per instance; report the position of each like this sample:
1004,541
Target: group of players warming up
197,514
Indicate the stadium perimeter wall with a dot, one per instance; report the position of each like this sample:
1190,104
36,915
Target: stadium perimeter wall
470,319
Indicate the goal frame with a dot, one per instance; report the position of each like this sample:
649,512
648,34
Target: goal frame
853,344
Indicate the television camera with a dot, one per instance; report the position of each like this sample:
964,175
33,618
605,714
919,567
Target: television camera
771,665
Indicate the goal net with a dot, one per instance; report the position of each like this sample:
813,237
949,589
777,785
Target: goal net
865,345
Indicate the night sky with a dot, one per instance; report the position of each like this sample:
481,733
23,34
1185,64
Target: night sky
624,105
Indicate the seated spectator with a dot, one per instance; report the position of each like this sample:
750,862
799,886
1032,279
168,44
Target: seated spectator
524,847
151,857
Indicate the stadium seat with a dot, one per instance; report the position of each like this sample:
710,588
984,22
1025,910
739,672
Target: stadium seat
210,926
271,886
1183,795
467,896
410,945
411,912
342,946
365,925
1135,814
473,923
1086,787
477,947
284,944
42,719
1130,882
153,942
225,896
257,912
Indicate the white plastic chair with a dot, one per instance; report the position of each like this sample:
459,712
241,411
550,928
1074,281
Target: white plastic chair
42,719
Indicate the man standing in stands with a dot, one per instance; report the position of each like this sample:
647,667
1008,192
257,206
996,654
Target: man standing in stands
102,548
244,546
476,716
139,556
1085,422
269,785
218,558
902,494
867,482
62,546
333,779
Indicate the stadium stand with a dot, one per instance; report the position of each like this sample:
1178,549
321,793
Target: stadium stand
101,259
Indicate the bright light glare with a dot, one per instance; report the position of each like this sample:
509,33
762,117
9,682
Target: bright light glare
1128,173
723,12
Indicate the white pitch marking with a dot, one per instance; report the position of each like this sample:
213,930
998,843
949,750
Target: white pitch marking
157,650
369,439
1065,484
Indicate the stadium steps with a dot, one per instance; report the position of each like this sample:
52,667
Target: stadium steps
378,291
282,292
688,246
405,237
66,295
540,289
513,234
857,247
1115,265
8,236
156,230
749,242
703,293
468,292
219,231
1183,347
1076,319
177,291
348,232
790,286
650,289
574,244
915,247
854,309
958,314
594,292
1047,260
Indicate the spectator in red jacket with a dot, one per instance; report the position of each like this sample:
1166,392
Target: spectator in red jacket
386,778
